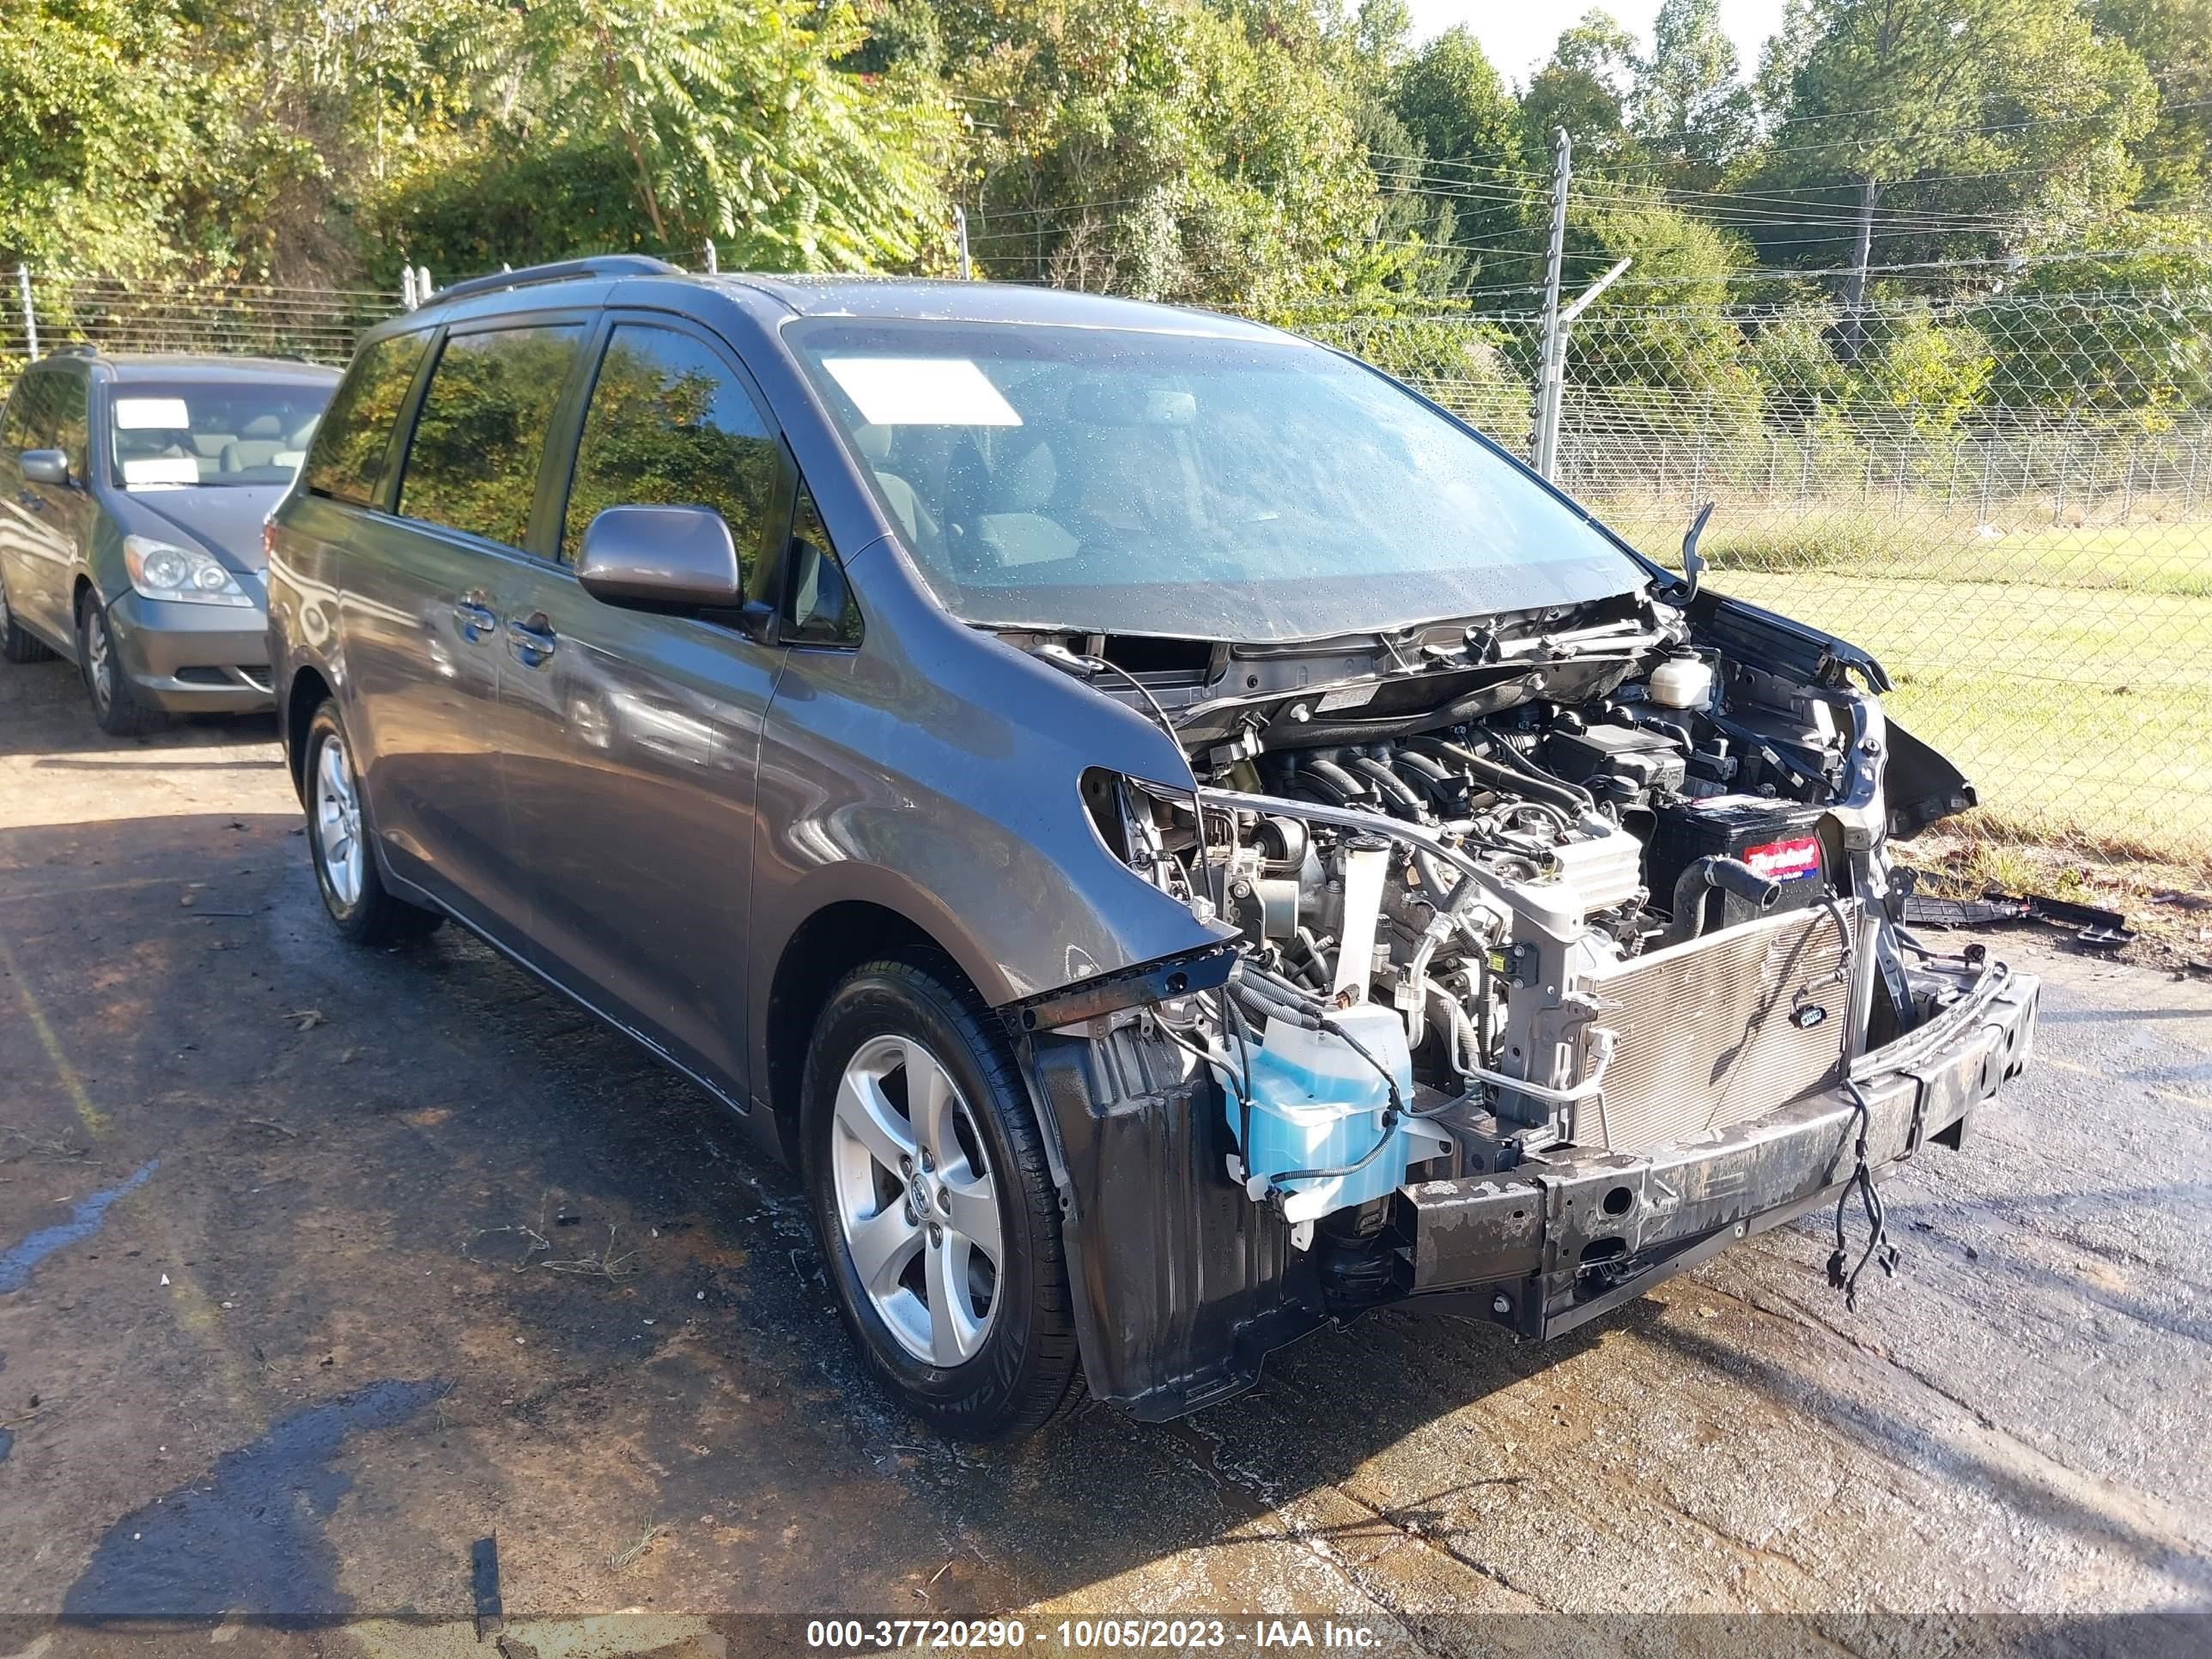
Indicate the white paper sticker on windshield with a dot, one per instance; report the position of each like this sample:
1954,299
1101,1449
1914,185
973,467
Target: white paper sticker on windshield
921,391
159,414
161,470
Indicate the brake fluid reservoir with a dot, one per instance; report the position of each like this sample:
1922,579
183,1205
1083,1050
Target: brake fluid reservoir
1317,1104
1683,682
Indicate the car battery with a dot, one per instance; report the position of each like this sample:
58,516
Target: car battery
1780,839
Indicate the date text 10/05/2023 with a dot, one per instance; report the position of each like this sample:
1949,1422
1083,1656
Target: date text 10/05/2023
1084,1635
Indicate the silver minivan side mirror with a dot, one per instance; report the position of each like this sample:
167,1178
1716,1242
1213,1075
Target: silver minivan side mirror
46,466
657,556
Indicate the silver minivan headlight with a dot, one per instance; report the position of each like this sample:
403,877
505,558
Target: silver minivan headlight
162,570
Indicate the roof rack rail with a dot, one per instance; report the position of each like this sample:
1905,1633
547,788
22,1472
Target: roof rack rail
605,265
73,348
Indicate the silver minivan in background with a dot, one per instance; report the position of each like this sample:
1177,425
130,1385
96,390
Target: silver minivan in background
132,492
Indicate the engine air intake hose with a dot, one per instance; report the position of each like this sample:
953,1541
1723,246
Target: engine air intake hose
1730,875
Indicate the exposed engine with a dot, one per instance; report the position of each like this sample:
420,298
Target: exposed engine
1582,880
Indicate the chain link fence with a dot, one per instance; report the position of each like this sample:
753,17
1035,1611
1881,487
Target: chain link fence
2008,500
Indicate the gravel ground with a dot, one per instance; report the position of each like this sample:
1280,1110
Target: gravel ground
320,1267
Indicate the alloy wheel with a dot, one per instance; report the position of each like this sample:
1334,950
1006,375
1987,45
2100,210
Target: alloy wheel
917,1206
337,821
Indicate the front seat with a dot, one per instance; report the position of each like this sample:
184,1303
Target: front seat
258,445
875,445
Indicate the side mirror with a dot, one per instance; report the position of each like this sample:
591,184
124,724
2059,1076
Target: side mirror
661,558
46,466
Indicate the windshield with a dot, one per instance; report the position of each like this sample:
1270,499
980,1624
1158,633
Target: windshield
171,433
1116,482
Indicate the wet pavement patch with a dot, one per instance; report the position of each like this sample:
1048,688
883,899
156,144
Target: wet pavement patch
248,1534
84,1220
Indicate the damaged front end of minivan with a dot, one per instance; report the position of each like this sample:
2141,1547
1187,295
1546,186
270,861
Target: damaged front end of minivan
1540,958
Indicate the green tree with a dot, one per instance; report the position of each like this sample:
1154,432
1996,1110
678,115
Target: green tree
731,120
96,131
2174,40
2016,109
1585,86
1170,150
1454,104
1691,110
1457,110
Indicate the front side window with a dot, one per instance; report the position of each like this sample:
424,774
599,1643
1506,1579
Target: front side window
472,463
347,459
171,434
1217,487
670,426
71,426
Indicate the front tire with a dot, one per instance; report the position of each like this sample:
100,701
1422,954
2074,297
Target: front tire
119,707
933,1204
354,894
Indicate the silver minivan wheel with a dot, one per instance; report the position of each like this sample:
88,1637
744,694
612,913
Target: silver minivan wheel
918,1211
337,819
99,658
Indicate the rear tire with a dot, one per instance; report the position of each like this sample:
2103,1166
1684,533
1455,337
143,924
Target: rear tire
16,643
119,707
924,1162
339,844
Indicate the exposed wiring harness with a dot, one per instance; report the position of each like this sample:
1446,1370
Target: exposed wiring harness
1861,1181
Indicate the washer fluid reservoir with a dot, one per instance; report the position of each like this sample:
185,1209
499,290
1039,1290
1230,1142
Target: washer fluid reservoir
1317,1104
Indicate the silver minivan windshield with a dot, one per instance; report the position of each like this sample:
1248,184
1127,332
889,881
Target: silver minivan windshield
210,434
1120,482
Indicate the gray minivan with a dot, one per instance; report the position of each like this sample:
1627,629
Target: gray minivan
132,492
1180,839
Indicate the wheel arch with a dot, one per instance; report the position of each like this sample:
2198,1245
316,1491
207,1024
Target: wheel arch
833,938
307,692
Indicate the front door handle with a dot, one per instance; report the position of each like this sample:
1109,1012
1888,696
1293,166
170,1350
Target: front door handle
531,642
475,623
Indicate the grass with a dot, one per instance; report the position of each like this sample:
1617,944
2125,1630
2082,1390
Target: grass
1918,542
2067,669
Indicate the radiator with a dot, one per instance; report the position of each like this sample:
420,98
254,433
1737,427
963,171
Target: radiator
1720,1028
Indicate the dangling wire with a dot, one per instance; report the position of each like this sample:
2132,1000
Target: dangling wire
1861,1181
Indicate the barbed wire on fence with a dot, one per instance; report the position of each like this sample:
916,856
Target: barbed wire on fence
2007,498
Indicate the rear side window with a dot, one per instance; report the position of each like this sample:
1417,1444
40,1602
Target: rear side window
473,463
29,423
670,426
349,450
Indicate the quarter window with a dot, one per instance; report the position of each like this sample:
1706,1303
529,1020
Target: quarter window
821,608
670,426
347,459
473,463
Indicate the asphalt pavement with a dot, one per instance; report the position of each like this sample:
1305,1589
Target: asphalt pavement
321,1269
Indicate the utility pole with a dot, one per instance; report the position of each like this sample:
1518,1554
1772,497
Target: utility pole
30,316
960,230
1553,368
713,257
1855,290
